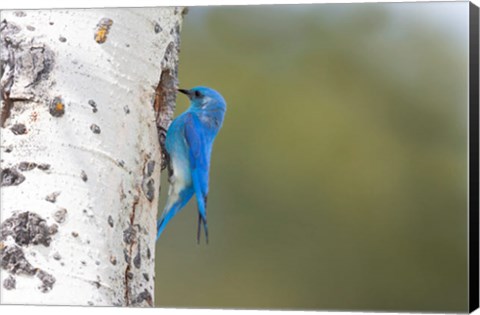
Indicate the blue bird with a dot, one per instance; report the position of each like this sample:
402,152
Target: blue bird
189,144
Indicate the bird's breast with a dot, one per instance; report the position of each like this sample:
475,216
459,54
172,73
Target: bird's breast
181,170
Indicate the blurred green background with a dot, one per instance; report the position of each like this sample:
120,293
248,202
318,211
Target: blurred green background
339,179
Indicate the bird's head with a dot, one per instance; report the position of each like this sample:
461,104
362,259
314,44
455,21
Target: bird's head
204,98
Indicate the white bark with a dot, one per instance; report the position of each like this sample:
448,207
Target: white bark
80,154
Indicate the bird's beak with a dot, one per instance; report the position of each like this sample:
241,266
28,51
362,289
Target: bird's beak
186,92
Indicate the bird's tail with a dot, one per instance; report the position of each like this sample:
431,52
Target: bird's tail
201,220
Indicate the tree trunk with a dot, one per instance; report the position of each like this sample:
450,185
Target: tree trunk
82,94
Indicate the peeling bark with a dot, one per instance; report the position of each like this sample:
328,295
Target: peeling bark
87,96
165,93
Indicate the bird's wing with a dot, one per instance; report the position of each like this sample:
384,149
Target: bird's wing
199,163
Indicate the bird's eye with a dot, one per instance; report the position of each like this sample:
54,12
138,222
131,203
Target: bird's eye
198,94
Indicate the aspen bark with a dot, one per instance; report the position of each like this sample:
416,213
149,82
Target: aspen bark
83,92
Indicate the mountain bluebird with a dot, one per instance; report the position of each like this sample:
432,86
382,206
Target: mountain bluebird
189,146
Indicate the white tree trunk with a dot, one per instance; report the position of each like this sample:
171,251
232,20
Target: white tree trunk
82,94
